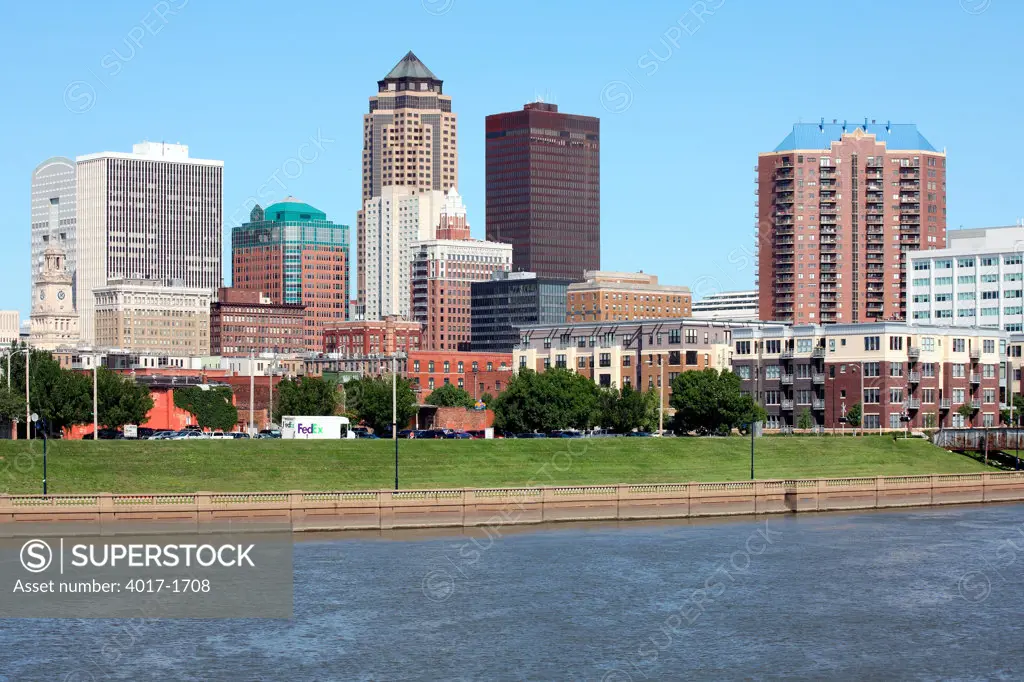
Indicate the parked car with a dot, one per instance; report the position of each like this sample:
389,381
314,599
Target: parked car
476,434
162,435
270,433
406,433
638,434
239,435
531,435
190,435
458,435
569,433
367,435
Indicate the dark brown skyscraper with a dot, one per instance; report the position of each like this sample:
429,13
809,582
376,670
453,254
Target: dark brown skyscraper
544,189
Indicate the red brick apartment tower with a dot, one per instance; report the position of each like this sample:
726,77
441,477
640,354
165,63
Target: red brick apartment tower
443,272
544,190
839,206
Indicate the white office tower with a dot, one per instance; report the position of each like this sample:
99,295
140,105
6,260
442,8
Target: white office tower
53,217
154,214
394,222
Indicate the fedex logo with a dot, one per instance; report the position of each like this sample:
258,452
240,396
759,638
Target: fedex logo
309,430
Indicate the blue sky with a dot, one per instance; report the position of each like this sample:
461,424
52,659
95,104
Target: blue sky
686,102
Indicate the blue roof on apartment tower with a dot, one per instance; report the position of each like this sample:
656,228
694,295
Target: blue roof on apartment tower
896,136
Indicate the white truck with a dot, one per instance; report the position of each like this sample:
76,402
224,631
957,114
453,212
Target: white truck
316,428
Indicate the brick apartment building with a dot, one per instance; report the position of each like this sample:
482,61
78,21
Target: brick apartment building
244,321
901,374
625,296
642,355
544,189
358,338
477,373
839,207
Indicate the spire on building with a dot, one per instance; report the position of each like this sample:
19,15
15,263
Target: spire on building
410,66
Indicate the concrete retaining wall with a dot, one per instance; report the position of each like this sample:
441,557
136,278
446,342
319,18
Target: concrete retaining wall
461,507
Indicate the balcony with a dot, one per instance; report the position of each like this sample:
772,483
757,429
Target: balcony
818,352
914,352
818,377
817,403
975,404
786,354
975,354
912,403
914,377
945,404
786,379
975,378
786,404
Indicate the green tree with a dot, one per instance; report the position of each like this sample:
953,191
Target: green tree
853,415
61,397
709,401
450,395
212,406
628,409
967,412
307,396
805,420
487,399
555,399
374,403
120,400
12,403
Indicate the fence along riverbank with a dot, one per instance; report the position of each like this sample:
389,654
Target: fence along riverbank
463,507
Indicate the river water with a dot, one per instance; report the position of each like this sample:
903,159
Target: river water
921,594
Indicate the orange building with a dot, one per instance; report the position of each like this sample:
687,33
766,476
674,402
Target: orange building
358,338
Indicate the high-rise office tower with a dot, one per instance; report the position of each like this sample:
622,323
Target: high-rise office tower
544,189
839,207
292,253
409,141
155,214
53,216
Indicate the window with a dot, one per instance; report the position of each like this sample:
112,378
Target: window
895,343
944,264
560,360
416,365
921,265
988,345
959,345
896,369
430,366
872,343
965,262
803,397
673,357
476,366
691,357
673,337
462,367
989,278
895,395
939,282
522,362
927,395
872,421
627,360
742,347
958,371
870,396
581,362
989,395
1015,259
928,370
771,397
447,366
987,261
804,345
965,279
988,371
743,372
490,366
691,336
430,381
773,346
605,360
958,395
461,383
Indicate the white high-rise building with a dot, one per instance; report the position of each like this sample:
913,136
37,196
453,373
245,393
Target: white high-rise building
727,305
53,216
393,223
153,214
976,281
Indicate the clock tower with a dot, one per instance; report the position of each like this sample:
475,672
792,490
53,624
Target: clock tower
54,319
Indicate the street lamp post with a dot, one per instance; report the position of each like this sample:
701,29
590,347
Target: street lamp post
252,391
270,405
95,401
37,422
28,409
394,410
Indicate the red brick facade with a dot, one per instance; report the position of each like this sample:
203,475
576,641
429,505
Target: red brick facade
242,321
478,373
359,338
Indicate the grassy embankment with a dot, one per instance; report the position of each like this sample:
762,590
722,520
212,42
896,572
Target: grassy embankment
188,466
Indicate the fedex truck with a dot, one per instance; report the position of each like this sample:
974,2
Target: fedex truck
320,428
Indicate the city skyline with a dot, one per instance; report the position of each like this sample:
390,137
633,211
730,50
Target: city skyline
705,234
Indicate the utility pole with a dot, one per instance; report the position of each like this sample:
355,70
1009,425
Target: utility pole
394,410
28,410
270,407
661,398
252,391
95,401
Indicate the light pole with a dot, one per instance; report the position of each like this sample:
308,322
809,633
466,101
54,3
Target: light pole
661,392
95,400
28,409
42,431
752,446
270,407
394,410
252,391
